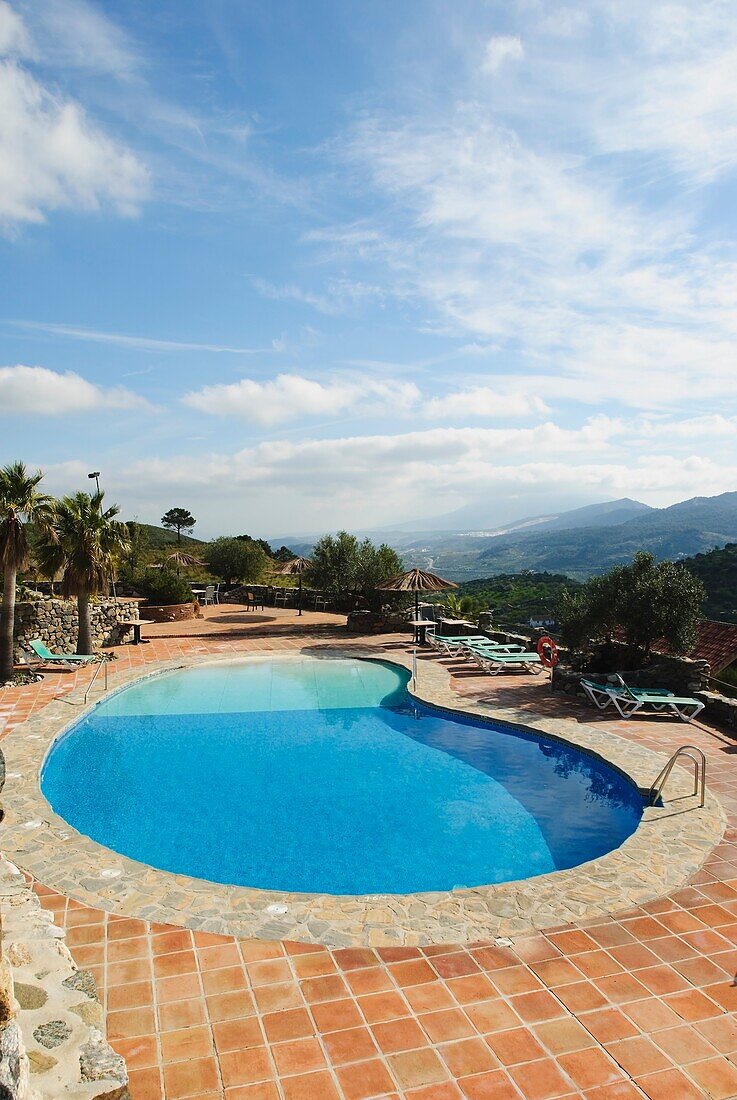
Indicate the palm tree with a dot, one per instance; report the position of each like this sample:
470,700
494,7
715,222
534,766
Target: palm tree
83,543
20,504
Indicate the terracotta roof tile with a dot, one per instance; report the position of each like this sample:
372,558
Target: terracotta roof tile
716,643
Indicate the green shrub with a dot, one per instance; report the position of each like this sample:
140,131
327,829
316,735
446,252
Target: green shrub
162,586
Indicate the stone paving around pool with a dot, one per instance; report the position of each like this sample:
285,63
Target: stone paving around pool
637,1003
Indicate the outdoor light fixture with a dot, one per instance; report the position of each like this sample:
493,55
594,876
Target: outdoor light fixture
96,475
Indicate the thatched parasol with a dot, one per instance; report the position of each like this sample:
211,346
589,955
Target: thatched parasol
181,557
416,580
295,567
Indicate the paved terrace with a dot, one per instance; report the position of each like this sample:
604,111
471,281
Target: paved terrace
639,1004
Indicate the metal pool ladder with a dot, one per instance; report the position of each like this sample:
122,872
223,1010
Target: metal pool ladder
696,756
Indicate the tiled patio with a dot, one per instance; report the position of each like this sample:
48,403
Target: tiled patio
638,1005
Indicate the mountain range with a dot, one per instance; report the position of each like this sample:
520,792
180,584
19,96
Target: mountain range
581,542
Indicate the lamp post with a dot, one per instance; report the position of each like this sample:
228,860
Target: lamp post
96,475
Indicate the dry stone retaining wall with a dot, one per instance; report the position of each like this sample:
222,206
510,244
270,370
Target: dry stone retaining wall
54,622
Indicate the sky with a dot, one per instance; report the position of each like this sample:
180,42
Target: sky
299,267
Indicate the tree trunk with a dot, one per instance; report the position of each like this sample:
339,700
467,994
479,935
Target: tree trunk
84,630
179,536
7,621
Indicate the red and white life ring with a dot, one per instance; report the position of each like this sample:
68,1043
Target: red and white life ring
547,651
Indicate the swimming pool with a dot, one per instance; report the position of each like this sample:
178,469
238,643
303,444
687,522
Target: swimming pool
324,776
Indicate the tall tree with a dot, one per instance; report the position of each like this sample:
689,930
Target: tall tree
178,519
20,504
84,542
236,559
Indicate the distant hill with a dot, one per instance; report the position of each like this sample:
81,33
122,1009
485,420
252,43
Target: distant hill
161,536
518,597
682,530
718,572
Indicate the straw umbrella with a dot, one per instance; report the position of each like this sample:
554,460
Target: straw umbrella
416,580
296,567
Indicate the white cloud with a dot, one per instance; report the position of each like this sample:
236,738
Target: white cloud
51,155
501,48
42,392
76,34
141,343
14,37
483,403
291,397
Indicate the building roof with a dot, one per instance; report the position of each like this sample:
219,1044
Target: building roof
716,643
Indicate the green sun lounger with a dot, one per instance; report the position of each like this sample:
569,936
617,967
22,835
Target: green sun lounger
48,658
630,701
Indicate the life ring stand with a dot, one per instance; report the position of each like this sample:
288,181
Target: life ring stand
547,651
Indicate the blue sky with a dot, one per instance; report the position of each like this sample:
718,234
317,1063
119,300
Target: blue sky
302,266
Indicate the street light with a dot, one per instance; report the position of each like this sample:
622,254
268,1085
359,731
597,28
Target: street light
96,475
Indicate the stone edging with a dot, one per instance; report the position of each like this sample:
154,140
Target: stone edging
668,846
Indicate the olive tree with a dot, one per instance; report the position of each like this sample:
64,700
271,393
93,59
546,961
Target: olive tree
643,601
236,559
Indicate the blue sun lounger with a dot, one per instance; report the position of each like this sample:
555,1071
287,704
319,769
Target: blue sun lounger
46,657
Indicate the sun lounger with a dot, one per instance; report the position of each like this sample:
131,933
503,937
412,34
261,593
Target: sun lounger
488,646
46,657
630,701
452,642
495,662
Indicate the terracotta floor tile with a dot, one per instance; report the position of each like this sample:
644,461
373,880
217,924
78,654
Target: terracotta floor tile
178,1014
354,958
298,1056
353,1045
692,1005
168,942
122,950
185,1079
445,1090
259,950
621,988
133,995
191,1042
244,1067
364,1079
662,979
455,966
638,1056
683,1045
237,1034
515,979
413,972
721,1032
330,988
474,987
417,1067
271,971
178,962
131,1022
136,970
581,997
230,1005
554,972
542,1080
564,1036
294,1023
310,1086
139,1053
538,1006
489,1086
373,980
446,1025
314,965
336,1015
467,1056
275,998
383,1006
668,1085
264,1090
494,1015
517,1044
590,1068
395,1035
652,1015
145,1084
222,955
716,1076
595,964
180,987
229,980
608,1024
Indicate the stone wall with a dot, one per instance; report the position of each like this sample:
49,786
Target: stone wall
54,622
719,709
52,1041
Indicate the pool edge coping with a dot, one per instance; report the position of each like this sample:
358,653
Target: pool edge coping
640,870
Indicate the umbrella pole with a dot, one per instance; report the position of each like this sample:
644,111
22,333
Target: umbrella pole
300,595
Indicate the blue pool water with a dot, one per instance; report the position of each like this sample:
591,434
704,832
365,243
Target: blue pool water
324,776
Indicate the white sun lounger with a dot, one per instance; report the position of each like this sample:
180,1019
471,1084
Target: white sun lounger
494,663
630,701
